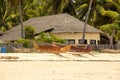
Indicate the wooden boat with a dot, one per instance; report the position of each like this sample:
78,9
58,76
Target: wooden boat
78,47
81,48
51,48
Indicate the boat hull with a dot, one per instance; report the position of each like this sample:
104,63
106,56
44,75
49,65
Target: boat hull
81,48
51,48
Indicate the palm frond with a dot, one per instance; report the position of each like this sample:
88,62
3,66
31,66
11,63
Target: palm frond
103,12
108,28
81,7
111,14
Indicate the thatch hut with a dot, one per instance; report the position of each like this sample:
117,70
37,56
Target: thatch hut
62,25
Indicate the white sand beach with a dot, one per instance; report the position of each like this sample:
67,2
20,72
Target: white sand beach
47,66
59,70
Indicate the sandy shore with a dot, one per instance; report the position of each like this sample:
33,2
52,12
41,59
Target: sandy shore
57,70
60,57
66,66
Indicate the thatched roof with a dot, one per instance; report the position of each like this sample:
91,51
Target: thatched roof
60,23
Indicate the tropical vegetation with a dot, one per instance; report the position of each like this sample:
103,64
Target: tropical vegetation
104,14
25,42
49,38
29,32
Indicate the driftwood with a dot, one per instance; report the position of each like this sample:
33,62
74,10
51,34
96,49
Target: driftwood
9,57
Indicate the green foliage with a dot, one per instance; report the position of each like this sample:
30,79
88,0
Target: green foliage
117,20
81,10
49,38
61,6
117,36
26,43
5,16
29,32
108,28
35,8
103,12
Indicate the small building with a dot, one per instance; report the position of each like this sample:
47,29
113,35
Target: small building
62,25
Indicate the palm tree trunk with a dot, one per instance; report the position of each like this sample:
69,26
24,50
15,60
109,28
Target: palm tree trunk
87,16
111,37
21,20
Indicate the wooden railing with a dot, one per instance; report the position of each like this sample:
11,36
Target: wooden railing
9,46
106,46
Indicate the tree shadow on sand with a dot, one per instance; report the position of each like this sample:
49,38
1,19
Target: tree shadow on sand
78,55
60,55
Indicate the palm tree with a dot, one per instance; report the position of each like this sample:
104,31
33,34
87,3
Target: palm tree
21,20
102,14
18,3
7,16
34,9
111,30
61,6
87,17
101,11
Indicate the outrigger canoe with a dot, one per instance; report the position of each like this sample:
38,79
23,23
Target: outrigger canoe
81,48
51,48
78,47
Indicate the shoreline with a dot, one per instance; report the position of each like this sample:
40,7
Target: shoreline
60,57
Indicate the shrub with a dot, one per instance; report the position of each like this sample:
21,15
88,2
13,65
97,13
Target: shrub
49,38
25,42
29,32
